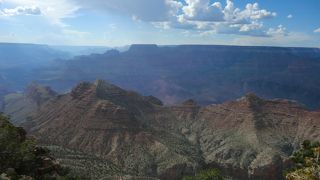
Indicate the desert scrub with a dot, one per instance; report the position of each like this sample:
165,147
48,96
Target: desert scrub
307,162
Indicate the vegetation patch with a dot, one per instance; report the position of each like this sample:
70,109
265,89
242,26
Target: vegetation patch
307,162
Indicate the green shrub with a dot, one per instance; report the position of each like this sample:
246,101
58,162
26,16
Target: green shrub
20,157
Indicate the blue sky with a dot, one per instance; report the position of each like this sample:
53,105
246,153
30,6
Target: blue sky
164,22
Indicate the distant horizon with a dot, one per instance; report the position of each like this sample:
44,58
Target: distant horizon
159,45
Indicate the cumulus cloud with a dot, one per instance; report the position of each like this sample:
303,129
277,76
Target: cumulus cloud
203,16
290,16
252,12
317,30
22,10
202,10
279,31
199,15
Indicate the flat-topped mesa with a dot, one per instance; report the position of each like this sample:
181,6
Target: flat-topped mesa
143,48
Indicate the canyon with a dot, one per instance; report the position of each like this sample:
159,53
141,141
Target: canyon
247,138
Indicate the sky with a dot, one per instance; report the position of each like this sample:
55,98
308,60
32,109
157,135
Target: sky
164,22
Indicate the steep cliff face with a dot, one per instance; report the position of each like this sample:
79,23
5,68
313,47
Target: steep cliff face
247,138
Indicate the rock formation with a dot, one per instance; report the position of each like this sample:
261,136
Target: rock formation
104,120
249,138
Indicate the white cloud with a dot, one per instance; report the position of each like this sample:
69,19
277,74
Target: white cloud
202,16
21,10
252,29
251,13
290,16
55,11
202,10
317,30
279,31
199,15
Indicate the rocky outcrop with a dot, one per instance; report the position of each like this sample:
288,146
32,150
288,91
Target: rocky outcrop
249,138
253,134
109,122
